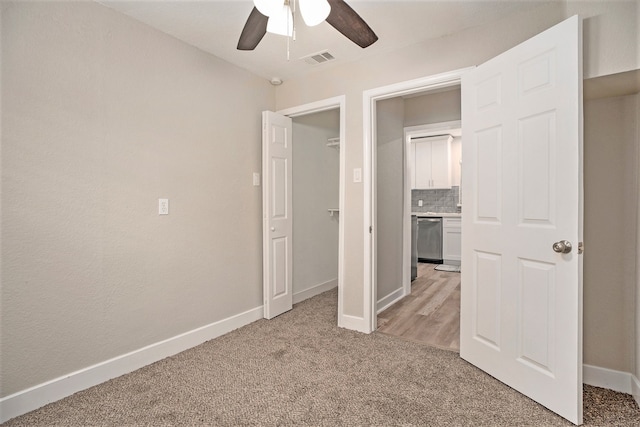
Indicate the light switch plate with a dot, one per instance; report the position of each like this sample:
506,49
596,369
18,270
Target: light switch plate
420,203
357,175
256,179
163,206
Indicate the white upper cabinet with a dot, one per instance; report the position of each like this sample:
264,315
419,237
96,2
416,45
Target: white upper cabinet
432,162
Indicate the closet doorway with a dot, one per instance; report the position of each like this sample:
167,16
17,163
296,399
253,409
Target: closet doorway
318,136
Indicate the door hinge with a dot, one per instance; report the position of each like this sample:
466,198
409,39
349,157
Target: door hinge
580,248
370,229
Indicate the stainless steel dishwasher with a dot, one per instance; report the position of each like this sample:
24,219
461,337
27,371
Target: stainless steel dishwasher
430,240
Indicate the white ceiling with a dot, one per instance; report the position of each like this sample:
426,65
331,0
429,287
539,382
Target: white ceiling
214,26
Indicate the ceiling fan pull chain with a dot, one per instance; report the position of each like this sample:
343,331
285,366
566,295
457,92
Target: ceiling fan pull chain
293,16
292,5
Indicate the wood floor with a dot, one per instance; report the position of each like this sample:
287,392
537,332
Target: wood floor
431,314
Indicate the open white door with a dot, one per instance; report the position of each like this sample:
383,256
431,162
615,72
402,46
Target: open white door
277,227
521,316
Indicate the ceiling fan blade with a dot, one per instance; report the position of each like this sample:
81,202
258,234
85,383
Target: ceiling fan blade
253,31
350,24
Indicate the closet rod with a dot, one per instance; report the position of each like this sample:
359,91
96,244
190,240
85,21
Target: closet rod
431,136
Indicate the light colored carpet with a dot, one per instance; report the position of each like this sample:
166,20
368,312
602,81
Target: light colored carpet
301,369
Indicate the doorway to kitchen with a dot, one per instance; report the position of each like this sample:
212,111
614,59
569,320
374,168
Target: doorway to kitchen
417,158
523,208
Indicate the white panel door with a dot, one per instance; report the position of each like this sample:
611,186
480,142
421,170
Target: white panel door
521,308
277,229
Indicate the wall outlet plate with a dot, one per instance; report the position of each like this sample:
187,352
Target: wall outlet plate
163,206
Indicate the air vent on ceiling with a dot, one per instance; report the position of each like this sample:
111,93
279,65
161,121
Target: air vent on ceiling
318,58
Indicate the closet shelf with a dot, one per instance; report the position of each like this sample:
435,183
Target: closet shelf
333,142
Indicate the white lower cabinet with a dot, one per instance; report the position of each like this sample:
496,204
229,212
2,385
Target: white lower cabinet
452,240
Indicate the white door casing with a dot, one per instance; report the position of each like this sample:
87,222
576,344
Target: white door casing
277,230
521,308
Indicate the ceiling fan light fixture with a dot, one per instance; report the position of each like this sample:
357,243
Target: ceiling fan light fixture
268,7
314,11
281,22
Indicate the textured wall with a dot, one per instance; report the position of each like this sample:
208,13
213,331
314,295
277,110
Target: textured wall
611,30
610,191
636,370
389,195
101,116
431,108
316,175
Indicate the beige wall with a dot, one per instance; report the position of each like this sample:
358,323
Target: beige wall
316,177
101,116
389,195
637,290
611,30
610,206
431,108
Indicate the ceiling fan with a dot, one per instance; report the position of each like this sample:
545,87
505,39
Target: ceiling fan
275,16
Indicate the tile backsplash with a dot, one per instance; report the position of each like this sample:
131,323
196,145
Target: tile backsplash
436,200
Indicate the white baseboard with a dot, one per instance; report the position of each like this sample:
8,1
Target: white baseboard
314,290
635,388
607,378
392,298
35,397
354,323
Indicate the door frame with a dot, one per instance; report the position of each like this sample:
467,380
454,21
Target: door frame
337,102
369,116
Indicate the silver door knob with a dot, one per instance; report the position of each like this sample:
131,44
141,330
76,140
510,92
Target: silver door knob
273,229
562,247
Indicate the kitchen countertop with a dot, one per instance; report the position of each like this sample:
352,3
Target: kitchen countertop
437,214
